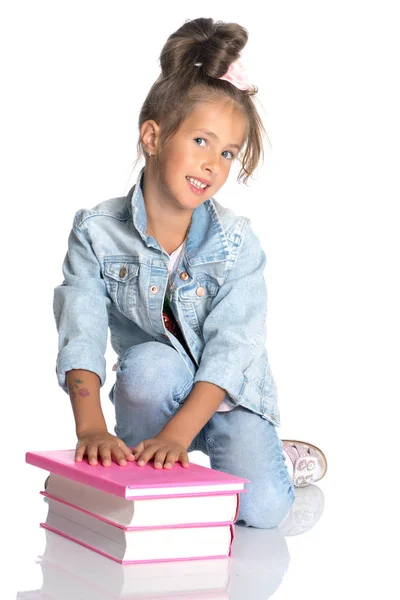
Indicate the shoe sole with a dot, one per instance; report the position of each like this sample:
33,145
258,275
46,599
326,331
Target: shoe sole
321,456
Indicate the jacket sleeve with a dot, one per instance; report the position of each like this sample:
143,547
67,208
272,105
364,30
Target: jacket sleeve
80,307
235,329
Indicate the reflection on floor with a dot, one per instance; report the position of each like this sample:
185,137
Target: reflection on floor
71,571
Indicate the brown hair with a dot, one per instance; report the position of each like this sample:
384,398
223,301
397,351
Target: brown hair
182,85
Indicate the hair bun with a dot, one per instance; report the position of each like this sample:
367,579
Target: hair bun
215,45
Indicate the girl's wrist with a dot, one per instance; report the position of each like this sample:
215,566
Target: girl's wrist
91,429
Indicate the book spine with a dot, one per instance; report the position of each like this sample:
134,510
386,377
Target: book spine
237,508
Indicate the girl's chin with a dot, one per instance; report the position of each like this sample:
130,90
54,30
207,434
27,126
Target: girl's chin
191,200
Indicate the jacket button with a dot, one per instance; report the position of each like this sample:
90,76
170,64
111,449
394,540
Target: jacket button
184,276
200,291
122,272
154,289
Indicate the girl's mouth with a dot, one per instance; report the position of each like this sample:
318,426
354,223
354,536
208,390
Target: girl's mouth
197,188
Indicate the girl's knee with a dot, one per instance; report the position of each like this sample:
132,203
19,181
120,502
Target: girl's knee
153,370
149,358
267,509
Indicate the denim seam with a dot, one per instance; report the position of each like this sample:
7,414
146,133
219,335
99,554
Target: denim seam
85,232
182,393
115,407
210,442
102,214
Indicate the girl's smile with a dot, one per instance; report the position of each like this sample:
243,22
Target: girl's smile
198,186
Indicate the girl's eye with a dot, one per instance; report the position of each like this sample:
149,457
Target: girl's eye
232,156
229,152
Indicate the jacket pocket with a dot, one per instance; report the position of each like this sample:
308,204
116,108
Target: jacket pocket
195,300
121,278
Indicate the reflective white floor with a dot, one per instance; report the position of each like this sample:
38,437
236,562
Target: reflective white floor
326,206
332,545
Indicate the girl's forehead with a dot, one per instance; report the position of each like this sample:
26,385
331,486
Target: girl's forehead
213,111
221,118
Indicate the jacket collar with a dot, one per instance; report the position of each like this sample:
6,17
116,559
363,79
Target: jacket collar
206,241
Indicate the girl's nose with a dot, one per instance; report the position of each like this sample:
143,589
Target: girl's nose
211,165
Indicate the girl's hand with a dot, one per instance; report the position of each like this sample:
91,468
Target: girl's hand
166,452
108,446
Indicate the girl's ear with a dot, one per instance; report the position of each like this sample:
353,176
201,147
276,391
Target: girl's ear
149,134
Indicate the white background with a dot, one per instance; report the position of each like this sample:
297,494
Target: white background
325,205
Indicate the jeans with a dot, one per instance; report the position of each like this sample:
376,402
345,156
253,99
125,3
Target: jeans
153,381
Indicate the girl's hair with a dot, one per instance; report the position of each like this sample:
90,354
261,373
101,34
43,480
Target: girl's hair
182,85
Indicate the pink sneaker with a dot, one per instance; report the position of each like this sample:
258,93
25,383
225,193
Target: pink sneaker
309,462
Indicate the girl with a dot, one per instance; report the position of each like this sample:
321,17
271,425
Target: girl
179,281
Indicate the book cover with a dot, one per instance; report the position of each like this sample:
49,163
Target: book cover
134,481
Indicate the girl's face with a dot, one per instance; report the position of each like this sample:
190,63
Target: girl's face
202,150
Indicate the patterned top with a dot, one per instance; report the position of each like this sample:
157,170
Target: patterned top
172,324
169,320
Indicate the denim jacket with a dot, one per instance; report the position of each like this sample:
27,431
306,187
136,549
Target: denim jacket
114,277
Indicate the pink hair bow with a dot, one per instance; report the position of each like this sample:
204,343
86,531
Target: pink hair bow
237,76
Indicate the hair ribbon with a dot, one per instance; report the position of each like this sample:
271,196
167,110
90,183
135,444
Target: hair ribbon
236,75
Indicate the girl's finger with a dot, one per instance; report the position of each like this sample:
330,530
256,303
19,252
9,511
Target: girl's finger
80,452
170,459
105,454
159,458
145,456
92,454
184,459
118,455
128,453
136,451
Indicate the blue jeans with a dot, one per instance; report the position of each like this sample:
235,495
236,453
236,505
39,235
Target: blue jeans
153,381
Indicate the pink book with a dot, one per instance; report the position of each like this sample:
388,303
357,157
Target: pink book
141,527
226,553
136,482
208,540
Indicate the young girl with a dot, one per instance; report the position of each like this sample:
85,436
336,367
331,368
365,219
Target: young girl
178,279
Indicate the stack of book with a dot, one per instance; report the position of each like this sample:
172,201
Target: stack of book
138,514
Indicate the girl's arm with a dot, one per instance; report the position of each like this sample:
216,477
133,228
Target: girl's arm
81,313
195,412
84,392
91,428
